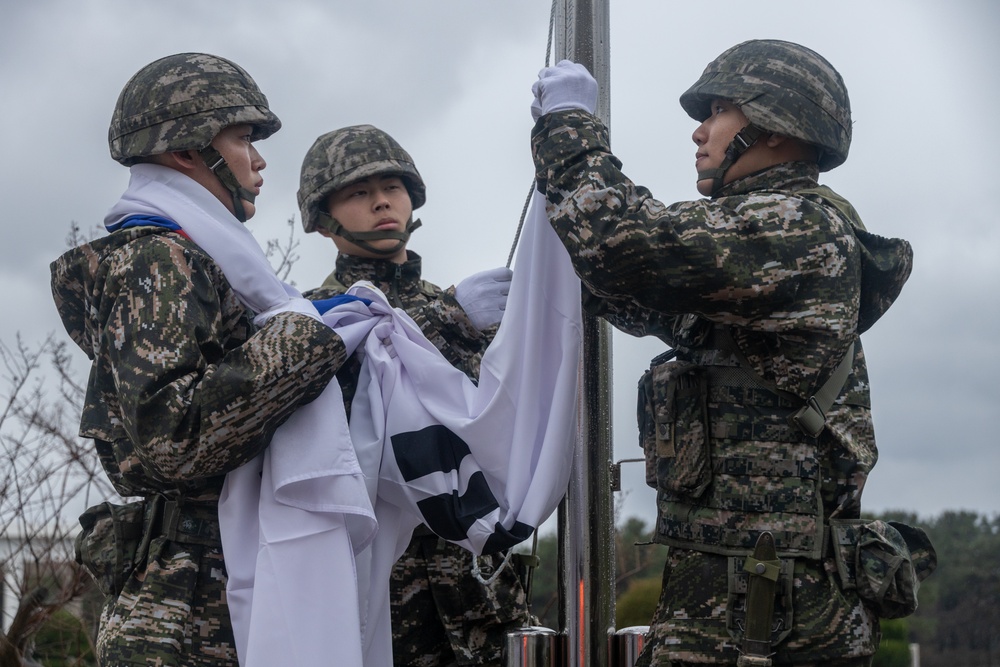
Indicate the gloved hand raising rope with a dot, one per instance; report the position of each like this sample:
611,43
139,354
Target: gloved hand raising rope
567,85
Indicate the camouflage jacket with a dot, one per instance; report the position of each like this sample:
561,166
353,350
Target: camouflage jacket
772,279
435,310
182,389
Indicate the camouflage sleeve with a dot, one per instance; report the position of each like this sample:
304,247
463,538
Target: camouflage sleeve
625,315
193,403
737,264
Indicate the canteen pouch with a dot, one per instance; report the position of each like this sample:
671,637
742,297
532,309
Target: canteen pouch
108,543
885,561
673,427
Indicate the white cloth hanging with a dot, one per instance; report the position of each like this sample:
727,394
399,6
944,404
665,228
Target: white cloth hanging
483,465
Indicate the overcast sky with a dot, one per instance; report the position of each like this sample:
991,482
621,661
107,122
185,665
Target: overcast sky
450,80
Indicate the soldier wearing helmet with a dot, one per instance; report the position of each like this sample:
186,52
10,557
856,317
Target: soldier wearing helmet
756,423
359,156
359,187
802,106
180,105
186,384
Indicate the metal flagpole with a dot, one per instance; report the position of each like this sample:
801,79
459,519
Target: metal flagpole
586,529
586,516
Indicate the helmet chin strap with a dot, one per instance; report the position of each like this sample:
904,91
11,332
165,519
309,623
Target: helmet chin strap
218,165
743,140
362,239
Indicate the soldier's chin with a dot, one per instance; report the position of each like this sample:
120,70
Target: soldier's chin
705,187
249,209
391,251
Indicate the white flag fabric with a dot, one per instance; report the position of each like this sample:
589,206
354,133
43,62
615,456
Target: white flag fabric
482,465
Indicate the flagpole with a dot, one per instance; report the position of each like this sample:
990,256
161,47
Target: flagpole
586,516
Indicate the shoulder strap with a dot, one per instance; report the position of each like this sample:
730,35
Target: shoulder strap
811,417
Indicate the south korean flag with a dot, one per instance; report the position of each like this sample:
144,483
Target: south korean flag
482,465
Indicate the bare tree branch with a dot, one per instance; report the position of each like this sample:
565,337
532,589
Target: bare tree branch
285,253
47,471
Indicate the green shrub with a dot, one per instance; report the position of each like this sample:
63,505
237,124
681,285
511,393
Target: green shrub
63,642
636,605
894,651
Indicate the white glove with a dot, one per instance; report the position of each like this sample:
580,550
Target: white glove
483,296
568,85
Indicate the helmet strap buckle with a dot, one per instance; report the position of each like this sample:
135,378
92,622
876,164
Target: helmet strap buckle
217,165
743,140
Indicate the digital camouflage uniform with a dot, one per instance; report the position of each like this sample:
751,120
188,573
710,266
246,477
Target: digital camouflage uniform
773,277
182,390
441,615
183,387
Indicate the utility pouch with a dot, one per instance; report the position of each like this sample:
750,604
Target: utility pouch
673,427
108,544
885,561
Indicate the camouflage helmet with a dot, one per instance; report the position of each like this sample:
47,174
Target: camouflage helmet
343,156
181,102
781,87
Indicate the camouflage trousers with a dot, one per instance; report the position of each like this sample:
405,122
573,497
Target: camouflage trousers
695,622
442,616
173,612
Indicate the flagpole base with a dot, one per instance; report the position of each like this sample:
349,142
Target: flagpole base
536,646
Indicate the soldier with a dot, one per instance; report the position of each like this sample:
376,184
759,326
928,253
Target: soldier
757,424
185,383
359,188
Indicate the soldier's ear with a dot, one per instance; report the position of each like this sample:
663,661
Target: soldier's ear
183,161
775,140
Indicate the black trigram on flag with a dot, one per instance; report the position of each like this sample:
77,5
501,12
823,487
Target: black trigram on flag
435,454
